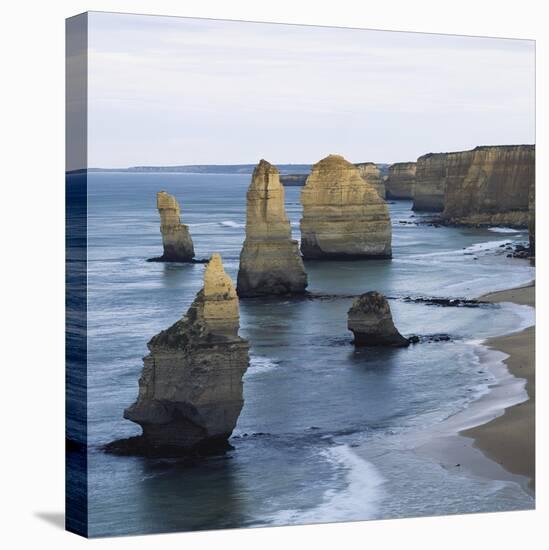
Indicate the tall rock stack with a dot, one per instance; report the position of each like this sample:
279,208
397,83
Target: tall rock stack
430,184
190,390
270,262
177,241
489,185
370,173
343,216
401,180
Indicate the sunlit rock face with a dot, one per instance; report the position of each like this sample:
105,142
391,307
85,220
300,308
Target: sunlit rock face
343,216
270,262
370,174
176,239
371,322
430,182
490,185
401,180
191,389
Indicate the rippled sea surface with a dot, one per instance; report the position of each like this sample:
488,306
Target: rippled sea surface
310,398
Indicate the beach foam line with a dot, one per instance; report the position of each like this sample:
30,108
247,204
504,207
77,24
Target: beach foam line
359,500
230,223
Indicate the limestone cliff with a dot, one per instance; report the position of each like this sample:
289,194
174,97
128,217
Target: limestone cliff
489,185
371,322
400,181
190,390
177,241
430,184
343,216
270,262
370,173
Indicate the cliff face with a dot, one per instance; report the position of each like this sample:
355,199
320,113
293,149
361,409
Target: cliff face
532,217
489,185
343,216
270,262
177,241
401,180
430,184
190,390
370,173
371,322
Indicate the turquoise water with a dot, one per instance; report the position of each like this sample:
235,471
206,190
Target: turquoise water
309,396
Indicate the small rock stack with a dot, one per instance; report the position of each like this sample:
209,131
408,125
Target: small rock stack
371,322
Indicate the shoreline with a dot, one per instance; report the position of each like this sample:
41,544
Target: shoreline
509,439
494,437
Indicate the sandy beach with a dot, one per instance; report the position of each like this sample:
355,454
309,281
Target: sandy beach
510,439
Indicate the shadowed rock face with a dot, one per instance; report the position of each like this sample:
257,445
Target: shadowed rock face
370,173
270,262
177,241
532,217
371,322
489,185
430,182
190,390
343,216
401,180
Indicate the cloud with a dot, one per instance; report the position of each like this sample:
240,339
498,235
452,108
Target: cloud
175,90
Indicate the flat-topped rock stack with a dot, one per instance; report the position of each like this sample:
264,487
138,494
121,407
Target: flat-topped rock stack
430,182
401,180
371,322
190,390
343,216
489,185
370,173
177,241
270,262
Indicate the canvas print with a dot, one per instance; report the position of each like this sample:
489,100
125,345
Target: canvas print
300,274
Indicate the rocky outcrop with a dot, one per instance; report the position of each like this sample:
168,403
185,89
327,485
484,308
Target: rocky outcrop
430,184
489,185
177,241
371,322
293,180
400,181
343,216
370,173
270,262
532,217
190,390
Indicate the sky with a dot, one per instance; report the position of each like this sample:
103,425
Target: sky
169,91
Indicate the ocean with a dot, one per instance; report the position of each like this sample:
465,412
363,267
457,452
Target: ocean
325,429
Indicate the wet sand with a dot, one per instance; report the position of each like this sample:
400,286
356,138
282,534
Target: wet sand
510,439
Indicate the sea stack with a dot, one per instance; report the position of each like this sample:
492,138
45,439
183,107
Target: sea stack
489,185
401,180
371,322
190,390
370,173
177,241
343,216
270,262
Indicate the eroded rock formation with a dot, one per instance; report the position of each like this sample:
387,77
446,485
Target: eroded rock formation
401,180
343,215
270,262
177,241
489,185
190,390
370,173
532,217
371,322
430,184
